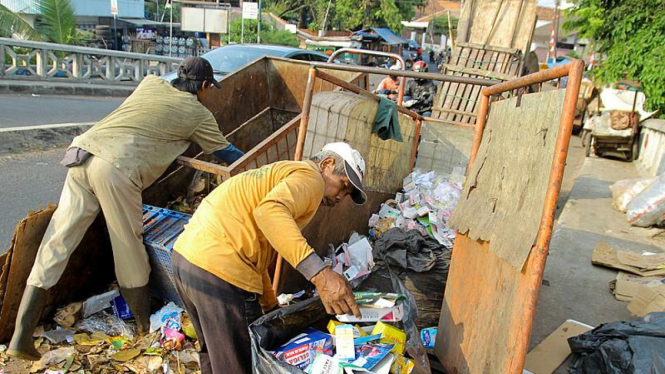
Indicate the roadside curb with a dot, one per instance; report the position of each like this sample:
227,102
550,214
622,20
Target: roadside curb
10,86
24,139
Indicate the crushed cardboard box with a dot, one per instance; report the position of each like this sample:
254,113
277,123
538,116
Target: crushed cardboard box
605,255
649,298
626,285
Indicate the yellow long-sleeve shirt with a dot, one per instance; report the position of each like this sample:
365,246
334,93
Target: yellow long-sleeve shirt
238,227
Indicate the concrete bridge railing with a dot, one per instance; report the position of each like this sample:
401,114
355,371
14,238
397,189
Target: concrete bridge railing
28,60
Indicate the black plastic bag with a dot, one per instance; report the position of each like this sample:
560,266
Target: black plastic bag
276,328
408,249
632,347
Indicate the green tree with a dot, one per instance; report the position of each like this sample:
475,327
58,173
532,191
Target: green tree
11,24
56,24
354,14
441,25
629,36
268,34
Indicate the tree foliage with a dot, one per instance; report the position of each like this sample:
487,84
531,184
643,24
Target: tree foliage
268,34
629,36
346,14
11,24
56,24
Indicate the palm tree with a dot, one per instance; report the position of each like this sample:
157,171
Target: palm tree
57,24
12,25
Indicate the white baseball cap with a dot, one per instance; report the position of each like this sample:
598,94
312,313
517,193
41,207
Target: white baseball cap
354,166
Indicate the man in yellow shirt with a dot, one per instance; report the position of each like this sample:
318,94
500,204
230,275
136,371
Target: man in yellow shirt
221,260
109,166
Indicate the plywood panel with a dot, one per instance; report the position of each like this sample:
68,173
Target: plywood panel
504,193
501,23
483,311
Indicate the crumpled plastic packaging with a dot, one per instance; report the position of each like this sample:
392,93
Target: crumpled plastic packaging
59,335
426,205
623,347
625,190
169,311
108,324
648,208
53,357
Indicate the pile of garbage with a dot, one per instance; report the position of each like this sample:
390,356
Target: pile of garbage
425,204
98,336
373,343
201,185
643,200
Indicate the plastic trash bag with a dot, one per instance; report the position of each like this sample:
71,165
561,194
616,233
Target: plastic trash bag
280,326
647,208
630,347
625,190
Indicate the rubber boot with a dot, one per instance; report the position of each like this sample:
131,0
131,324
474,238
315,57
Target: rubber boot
138,300
32,305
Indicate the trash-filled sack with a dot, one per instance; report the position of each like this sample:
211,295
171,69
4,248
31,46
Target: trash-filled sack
297,334
625,190
623,347
648,208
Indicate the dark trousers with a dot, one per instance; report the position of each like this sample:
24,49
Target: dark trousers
221,314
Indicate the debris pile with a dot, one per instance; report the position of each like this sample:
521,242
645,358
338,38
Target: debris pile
97,336
643,200
370,344
426,204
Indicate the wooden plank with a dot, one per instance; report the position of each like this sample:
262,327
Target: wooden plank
461,112
479,72
201,165
492,48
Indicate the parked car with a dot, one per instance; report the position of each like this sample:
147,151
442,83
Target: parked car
232,57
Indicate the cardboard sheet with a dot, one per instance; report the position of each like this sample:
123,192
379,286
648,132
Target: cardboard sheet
553,351
604,255
626,285
649,298
644,261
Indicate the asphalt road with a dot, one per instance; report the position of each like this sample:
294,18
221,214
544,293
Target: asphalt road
29,110
28,180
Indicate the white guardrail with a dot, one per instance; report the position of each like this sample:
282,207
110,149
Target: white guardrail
28,60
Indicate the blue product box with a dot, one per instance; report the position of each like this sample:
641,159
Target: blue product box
300,351
121,309
428,336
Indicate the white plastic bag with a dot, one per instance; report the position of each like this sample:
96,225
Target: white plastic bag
625,190
648,208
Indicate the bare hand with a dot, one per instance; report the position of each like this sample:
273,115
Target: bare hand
335,293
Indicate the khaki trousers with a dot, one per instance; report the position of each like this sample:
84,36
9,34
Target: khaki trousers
93,186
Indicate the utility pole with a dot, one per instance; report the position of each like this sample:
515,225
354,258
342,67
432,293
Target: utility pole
171,28
557,15
258,30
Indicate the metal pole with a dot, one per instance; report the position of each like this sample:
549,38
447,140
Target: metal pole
171,28
258,30
115,32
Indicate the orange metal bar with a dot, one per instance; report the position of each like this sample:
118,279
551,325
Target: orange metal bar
300,145
360,91
355,51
